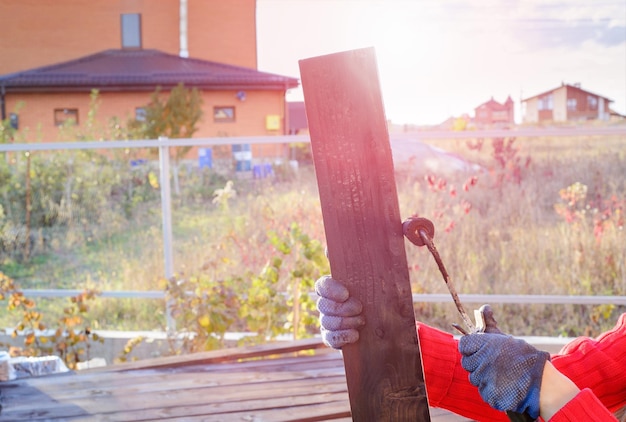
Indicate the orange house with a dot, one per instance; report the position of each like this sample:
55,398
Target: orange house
60,51
567,103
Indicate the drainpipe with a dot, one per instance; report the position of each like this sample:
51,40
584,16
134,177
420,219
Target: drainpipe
285,112
184,49
3,108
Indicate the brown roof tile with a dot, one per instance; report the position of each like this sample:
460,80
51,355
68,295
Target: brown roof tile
568,87
114,70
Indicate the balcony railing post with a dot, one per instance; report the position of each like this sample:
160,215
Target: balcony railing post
166,211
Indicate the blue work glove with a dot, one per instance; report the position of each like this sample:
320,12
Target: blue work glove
340,314
506,370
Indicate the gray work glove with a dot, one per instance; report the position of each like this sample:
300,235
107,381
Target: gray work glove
506,370
340,314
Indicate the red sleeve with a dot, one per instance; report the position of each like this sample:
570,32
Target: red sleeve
584,407
598,364
447,383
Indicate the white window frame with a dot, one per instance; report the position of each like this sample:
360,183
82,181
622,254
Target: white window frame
64,115
130,24
592,102
571,104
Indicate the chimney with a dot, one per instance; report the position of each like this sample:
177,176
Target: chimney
184,52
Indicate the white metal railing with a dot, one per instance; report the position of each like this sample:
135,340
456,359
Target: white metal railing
423,135
164,144
153,143
535,299
417,298
117,294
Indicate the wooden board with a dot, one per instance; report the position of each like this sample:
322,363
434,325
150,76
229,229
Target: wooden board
366,250
276,387
222,355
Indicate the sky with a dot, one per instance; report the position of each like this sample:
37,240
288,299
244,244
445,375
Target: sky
443,58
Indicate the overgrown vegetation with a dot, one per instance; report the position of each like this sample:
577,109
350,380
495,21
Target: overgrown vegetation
544,217
525,227
270,303
85,209
69,337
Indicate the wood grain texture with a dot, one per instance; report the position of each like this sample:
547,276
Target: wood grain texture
366,249
279,386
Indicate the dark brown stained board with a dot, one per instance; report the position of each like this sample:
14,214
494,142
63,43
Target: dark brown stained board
222,355
366,249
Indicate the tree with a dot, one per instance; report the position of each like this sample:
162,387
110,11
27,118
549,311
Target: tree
176,117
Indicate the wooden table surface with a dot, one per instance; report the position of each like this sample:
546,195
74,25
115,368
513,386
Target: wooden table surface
291,381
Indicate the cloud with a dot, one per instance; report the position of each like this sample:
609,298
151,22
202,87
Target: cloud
539,24
613,36
555,33
444,57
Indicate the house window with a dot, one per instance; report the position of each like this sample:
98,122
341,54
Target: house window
140,114
64,116
131,30
592,102
14,121
571,104
223,114
545,102
500,115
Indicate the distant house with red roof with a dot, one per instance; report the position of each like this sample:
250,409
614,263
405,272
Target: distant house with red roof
495,114
566,103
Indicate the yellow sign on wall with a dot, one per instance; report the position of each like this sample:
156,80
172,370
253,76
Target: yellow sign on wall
272,122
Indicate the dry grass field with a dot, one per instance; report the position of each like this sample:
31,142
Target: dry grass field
543,216
546,218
